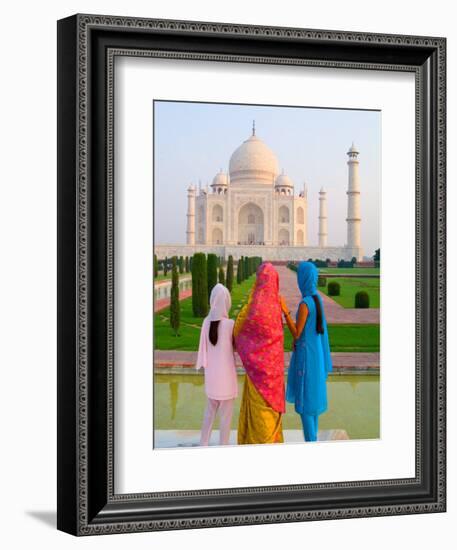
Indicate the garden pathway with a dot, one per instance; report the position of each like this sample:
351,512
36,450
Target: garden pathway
341,361
334,312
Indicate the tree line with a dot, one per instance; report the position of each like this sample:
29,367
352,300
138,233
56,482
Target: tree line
206,271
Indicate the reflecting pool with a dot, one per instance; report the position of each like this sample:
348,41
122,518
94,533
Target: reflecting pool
179,402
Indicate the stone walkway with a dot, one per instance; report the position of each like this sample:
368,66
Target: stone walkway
334,312
164,359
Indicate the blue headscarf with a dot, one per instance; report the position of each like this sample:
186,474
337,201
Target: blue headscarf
307,275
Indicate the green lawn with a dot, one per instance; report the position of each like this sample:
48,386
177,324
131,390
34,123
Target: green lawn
348,338
349,288
349,270
190,325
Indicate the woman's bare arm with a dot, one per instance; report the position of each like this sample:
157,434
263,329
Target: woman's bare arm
295,329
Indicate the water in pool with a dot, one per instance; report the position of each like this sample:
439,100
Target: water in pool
179,402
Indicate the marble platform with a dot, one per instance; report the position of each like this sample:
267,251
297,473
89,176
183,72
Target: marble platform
167,439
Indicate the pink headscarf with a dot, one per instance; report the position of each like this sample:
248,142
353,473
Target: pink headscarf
259,338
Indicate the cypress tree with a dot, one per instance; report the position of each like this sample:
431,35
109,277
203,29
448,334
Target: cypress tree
156,266
229,282
175,307
165,266
239,271
181,264
199,285
190,263
221,275
186,264
212,272
246,268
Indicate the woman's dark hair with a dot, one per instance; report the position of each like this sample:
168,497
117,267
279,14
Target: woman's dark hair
213,332
319,325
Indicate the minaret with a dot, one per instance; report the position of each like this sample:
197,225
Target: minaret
322,218
353,193
190,215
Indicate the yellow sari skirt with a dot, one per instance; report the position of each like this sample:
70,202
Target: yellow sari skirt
258,422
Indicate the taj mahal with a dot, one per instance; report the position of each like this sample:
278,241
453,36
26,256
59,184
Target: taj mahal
253,210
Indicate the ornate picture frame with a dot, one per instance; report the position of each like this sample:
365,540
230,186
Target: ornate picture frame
87,47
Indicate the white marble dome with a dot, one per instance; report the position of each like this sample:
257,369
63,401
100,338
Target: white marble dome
283,181
220,179
253,160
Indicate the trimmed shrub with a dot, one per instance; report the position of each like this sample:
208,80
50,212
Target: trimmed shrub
239,271
175,307
362,300
292,266
345,264
221,275
156,266
229,282
333,288
199,285
212,272
321,281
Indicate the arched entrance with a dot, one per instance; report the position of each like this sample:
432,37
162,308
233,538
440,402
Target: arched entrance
217,236
300,237
284,214
218,214
250,224
284,237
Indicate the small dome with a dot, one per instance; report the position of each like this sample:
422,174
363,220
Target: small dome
283,181
220,179
353,149
253,160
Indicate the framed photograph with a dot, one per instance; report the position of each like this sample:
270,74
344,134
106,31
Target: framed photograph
251,300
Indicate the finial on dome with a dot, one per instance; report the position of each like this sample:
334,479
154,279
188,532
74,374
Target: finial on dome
253,127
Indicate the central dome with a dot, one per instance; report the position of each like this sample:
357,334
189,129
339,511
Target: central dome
253,160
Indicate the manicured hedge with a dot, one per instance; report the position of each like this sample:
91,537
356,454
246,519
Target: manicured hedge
199,285
175,307
239,271
362,300
156,266
229,281
221,275
212,268
333,288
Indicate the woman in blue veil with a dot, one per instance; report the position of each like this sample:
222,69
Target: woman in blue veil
310,361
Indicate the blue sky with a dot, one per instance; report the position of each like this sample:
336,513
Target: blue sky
193,141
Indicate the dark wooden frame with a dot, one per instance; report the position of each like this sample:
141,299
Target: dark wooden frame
87,46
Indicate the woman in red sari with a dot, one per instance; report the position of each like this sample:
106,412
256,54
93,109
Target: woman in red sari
259,341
